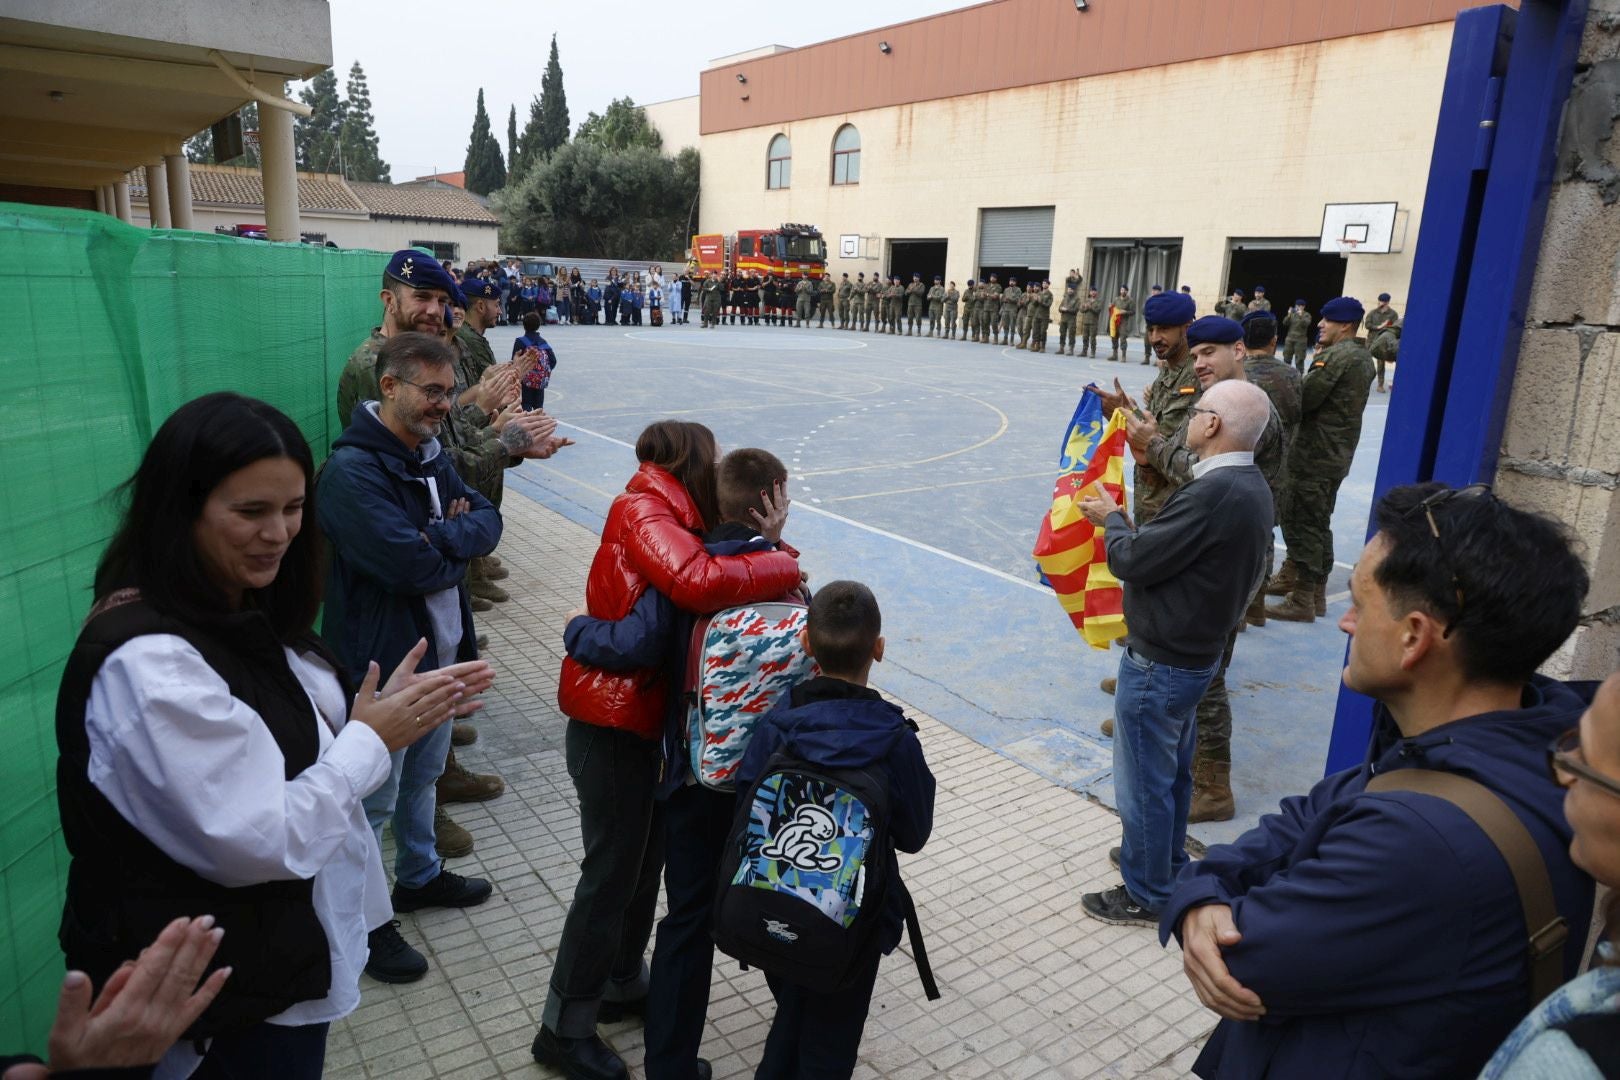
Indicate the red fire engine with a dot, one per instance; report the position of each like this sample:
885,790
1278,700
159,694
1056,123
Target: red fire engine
782,252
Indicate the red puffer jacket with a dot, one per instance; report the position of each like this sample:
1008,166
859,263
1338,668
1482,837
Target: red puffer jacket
651,538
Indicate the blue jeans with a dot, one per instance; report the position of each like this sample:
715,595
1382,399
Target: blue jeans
409,796
1155,731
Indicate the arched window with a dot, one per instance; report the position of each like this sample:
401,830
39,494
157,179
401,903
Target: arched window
779,164
847,156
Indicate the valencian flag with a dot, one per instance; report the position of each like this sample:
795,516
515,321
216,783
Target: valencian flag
1070,548
1115,316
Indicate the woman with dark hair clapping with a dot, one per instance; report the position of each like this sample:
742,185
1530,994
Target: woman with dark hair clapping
212,762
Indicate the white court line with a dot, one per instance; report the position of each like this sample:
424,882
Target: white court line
874,530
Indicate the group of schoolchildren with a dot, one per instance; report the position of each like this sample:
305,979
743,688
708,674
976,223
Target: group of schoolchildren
781,785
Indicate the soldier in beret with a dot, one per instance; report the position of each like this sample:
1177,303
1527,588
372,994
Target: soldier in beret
1332,397
1296,326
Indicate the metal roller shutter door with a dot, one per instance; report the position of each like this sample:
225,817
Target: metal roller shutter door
1016,236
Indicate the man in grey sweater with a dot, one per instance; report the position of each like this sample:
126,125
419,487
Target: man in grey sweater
1188,575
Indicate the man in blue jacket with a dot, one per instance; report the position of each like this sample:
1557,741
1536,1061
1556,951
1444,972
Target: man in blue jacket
403,528
1374,934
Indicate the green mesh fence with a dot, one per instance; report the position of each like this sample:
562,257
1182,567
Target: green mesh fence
119,326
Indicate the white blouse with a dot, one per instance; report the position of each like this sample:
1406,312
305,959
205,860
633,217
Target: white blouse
198,773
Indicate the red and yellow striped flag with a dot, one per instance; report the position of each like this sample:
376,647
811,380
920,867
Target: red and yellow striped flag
1070,549
1114,317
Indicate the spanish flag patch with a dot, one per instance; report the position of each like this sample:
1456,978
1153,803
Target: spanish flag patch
1187,390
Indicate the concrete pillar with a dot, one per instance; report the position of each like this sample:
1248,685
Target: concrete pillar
157,194
179,170
121,201
101,198
279,169
1559,452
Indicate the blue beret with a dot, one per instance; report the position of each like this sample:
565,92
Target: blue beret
1259,288
412,267
477,288
1345,309
916,275
1159,288
457,297
936,277
1169,309
1383,297
1300,301
1256,315
1214,329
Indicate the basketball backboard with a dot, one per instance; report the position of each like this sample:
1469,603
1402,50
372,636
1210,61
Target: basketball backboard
1377,228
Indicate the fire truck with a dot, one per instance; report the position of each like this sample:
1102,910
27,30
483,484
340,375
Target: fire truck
783,252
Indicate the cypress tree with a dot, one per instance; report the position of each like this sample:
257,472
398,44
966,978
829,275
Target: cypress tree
484,168
358,134
553,131
316,137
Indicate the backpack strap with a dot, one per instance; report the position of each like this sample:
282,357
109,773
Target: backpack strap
919,953
1546,929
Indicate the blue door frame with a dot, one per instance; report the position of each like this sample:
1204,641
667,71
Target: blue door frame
1495,149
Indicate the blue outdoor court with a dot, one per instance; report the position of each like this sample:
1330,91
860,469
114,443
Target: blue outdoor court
923,467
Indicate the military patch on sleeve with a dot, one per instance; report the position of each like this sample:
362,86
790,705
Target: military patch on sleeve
1319,363
1188,390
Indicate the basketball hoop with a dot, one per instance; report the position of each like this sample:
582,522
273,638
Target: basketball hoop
1347,247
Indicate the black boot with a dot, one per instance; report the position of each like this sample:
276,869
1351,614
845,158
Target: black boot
578,1059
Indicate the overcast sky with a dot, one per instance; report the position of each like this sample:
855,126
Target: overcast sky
424,62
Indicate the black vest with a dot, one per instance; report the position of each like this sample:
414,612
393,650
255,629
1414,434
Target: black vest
123,890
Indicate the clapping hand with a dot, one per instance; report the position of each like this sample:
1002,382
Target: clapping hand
1098,504
1118,399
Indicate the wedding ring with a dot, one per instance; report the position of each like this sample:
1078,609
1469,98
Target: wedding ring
418,721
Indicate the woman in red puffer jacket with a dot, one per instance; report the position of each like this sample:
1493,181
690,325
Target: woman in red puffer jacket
651,539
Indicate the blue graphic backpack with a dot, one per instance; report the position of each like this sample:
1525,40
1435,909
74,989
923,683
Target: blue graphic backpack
740,663
805,872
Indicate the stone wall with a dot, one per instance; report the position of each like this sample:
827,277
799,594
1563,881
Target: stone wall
1561,448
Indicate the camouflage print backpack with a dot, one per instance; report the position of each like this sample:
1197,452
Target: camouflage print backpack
740,664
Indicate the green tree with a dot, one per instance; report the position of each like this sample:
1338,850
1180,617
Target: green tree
358,135
485,170
553,105
511,139
200,147
622,126
596,202
316,137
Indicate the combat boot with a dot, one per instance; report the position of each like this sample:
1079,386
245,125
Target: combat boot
484,589
1108,685
1107,727
493,570
1298,606
1321,599
1212,792
1256,615
459,784
1283,582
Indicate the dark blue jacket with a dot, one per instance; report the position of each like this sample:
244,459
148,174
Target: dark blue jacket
657,634
833,724
373,506
1382,931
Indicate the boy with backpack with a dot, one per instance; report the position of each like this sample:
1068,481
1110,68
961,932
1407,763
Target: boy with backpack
699,804
831,784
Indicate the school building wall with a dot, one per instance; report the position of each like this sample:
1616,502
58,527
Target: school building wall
353,231
1249,145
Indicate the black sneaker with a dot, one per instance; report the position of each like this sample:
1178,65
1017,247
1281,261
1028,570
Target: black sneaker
392,960
578,1059
1119,907
1113,857
611,1012
446,890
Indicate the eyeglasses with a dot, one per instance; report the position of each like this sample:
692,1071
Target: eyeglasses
435,394
1440,498
1198,409
1564,760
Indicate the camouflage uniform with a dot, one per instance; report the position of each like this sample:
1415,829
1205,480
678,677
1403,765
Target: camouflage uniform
1090,311
1127,307
712,293
951,298
1385,348
358,382
1169,400
804,294
1068,308
1332,397
1009,312
1040,319
894,298
478,357
936,309
1231,308
824,301
845,291
1380,323
1024,313
915,294
1259,303
1296,328
871,304
1147,350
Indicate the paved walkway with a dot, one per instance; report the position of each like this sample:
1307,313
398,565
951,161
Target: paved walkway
1032,988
